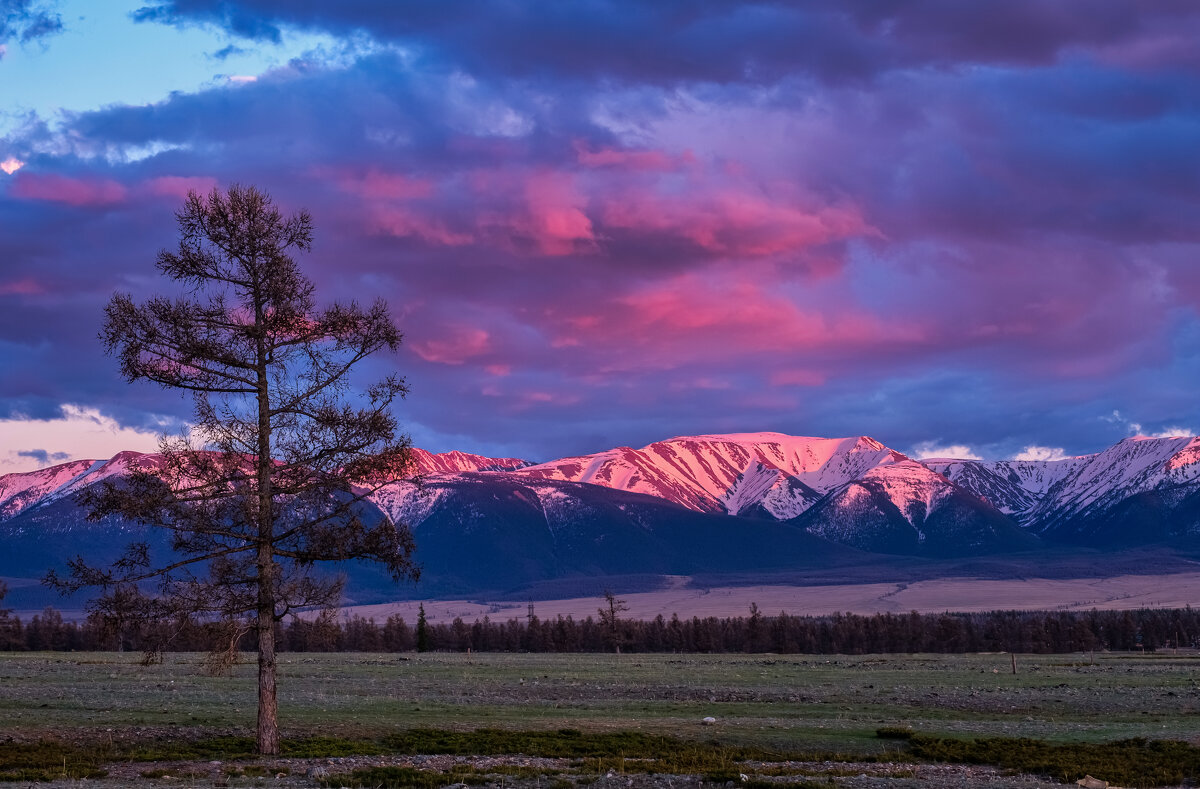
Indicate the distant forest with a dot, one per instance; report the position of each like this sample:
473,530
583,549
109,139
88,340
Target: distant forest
1037,632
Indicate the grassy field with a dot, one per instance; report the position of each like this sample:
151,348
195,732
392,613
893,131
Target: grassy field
786,703
758,699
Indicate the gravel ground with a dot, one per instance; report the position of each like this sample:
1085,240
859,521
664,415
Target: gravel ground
297,773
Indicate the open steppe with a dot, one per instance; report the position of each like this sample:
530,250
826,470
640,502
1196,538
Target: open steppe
826,708
684,597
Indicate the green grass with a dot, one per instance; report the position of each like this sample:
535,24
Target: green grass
47,761
1136,762
355,704
769,700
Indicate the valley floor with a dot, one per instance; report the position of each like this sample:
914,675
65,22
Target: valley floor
679,596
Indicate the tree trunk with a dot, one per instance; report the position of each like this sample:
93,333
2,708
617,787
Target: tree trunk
268,711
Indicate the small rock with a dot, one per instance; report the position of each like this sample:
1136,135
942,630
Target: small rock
709,721
1088,782
317,773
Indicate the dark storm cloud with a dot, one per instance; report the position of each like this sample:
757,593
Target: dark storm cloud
725,41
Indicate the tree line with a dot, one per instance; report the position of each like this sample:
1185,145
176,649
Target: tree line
1034,632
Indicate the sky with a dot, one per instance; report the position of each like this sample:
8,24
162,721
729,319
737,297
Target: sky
963,229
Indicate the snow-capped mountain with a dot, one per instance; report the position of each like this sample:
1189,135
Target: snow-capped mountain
737,473
681,505
24,490
907,508
452,462
1134,491
1140,490
501,530
1015,487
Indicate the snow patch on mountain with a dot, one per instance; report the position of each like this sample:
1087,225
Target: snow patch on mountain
406,501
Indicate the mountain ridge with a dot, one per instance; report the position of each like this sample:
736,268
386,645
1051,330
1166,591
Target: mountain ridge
695,503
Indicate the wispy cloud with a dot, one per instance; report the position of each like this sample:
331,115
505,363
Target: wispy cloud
1034,452
932,449
1136,429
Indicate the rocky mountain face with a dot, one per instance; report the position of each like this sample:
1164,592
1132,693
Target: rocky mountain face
746,502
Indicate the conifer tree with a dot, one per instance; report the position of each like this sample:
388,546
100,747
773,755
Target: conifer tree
422,630
610,619
273,475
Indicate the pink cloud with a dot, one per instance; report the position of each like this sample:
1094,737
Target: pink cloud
557,222
707,383
404,223
378,185
733,222
797,378
72,191
693,318
517,402
523,401
179,186
639,161
21,287
542,212
566,213
618,195
460,344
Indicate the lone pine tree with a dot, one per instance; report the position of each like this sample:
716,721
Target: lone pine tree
610,620
273,475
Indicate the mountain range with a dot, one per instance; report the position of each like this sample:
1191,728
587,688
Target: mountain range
743,503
